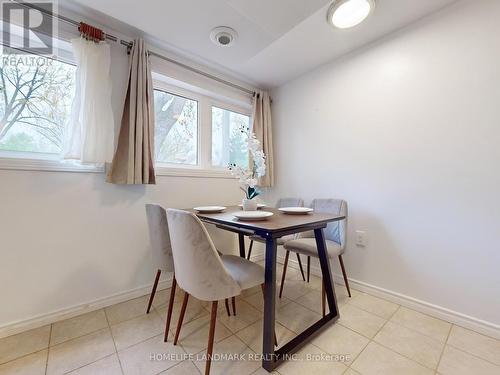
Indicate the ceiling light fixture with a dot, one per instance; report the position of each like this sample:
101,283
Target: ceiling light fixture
223,36
344,14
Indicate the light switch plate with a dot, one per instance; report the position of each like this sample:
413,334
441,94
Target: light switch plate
361,238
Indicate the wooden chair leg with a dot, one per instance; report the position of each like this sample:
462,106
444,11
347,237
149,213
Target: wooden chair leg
153,291
210,349
345,275
284,273
323,298
300,266
308,267
250,249
262,286
181,317
227,307
233,301
170,308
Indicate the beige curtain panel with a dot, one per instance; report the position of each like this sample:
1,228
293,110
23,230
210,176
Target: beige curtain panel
263,130
133,159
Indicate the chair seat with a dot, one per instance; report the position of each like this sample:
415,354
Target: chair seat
246,273
307,246
280,241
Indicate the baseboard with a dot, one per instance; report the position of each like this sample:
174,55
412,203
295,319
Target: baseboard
451,316
55,316
463,320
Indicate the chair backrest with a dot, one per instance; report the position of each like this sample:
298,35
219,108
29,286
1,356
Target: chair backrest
335,231
198,267
290,202
159,237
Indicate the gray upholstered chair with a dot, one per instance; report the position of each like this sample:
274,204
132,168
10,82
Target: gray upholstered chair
283,202
204,274
335,236
162,254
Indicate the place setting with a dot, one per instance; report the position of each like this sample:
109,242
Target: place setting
210,209
296,210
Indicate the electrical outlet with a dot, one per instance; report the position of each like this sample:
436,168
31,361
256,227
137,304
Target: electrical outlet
361,238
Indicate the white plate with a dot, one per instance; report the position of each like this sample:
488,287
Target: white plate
259,205
296,210
209,209
252,215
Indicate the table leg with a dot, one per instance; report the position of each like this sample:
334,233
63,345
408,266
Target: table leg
325,270
269,305
241,240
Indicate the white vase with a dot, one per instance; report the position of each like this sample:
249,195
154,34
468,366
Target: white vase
249,204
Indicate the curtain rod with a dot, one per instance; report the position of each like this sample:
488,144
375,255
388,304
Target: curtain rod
129,44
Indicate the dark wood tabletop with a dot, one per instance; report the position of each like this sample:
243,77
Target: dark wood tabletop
279,222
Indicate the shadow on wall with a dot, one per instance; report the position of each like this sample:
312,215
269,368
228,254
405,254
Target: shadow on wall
76,289
112,194
381,250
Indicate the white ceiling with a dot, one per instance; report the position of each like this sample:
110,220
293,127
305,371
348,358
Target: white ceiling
278,39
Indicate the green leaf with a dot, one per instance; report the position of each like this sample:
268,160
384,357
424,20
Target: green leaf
252,192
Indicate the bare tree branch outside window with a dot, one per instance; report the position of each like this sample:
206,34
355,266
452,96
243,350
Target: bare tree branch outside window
35,102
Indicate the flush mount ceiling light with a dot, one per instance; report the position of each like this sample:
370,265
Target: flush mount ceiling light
223,36
348,13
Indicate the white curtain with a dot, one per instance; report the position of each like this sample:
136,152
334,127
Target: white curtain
89,137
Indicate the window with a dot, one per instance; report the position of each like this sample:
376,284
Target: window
229,138
197,134
176,129
35,103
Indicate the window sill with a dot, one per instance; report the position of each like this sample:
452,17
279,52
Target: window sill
192,172
47,165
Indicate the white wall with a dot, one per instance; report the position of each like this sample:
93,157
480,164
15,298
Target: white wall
407,131
67,239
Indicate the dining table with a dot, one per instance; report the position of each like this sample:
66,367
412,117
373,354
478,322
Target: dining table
272,228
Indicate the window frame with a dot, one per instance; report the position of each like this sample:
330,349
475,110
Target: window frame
186,95
42,161
204,167
231,108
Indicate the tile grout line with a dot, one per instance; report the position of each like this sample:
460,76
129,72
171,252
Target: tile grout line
349,302
473,355
371,339
386,321
99,359
423,334
226,338
36,351
87,364
114,343
140,342
178,364
129,319
72,339
291,300
444,347
48,350
23,356
420,333
404,355
82,335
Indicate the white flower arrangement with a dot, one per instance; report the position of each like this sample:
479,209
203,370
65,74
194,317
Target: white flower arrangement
249,177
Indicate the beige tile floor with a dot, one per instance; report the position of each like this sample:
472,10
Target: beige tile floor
373,336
